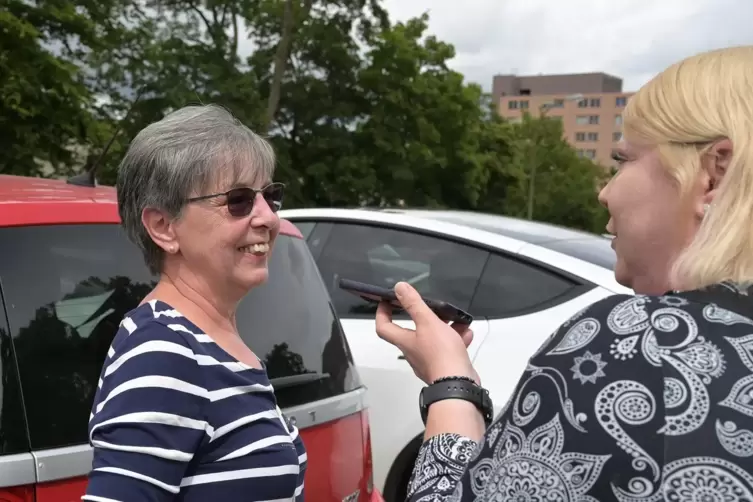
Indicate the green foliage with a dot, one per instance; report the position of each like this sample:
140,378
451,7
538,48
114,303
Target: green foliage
43,99
564,185
361,111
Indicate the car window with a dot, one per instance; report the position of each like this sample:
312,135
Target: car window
438,268
511,287
67,288
305,227
290,322
13,437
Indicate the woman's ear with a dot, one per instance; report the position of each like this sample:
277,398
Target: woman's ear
714,164
160,227
717,160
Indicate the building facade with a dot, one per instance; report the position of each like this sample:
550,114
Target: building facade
588,104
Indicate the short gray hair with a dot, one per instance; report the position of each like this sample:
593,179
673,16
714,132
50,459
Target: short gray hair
193,149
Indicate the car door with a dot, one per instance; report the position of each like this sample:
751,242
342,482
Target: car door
438,267
525,302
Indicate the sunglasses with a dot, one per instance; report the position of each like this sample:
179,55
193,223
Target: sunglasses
240,201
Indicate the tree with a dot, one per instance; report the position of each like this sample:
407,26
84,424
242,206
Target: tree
45,103
321,102
362,112
396,126
564,186
179,52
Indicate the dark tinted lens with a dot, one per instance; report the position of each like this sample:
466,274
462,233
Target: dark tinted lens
240,201
273,195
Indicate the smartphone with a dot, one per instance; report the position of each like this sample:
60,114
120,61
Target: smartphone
376,294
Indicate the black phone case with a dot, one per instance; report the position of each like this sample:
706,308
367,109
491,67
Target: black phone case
444,310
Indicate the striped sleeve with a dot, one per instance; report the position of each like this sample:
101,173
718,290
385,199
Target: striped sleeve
148,416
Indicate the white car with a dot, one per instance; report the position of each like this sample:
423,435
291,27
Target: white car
519,279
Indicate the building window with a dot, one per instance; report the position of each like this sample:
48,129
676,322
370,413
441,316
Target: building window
525,92
558,103
593,119
618,120
595,102
590,154
581,120
524,105
512,105
616,136
583,103
581,152
620,101
580,136
593,136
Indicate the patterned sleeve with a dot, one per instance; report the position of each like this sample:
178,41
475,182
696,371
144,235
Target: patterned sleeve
590,402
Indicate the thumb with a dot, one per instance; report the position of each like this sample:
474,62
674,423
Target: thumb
413,303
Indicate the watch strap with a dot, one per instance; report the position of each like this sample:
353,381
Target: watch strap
457,389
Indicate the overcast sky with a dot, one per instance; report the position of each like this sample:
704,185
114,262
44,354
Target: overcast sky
632,39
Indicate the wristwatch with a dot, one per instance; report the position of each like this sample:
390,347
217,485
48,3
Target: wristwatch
456,388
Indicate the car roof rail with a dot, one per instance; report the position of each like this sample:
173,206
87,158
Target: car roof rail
89,177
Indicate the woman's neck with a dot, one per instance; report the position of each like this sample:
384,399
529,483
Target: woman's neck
196,299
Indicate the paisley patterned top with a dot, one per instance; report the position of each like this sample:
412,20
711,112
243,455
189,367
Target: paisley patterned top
635,399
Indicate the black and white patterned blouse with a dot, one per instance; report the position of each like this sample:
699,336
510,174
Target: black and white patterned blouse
635,399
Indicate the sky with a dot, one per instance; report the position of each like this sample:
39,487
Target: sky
631,39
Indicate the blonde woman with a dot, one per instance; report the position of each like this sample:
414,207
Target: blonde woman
638,398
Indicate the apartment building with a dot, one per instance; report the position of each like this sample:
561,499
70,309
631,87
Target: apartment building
588,104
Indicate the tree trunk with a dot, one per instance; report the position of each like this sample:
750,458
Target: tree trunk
281,59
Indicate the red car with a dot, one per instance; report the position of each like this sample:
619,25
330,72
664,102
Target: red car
68,274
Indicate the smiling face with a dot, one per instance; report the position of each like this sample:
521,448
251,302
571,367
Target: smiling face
220,247
651,220
217,253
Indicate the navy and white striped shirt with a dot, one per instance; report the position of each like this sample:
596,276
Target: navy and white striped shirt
178,418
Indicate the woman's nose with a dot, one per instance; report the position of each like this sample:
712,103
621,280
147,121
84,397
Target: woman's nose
263,213
603,195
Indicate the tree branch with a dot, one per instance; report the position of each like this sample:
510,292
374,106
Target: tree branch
207,23
235,31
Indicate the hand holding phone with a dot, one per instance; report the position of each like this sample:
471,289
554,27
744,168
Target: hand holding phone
376,294
433,348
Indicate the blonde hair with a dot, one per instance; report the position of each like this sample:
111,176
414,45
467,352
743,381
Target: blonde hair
683,111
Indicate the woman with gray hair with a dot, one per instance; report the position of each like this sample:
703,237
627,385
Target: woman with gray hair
184,409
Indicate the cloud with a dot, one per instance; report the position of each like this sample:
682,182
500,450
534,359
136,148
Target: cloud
632,39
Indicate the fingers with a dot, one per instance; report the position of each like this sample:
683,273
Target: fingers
460,327
413,303
386,329
467,337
